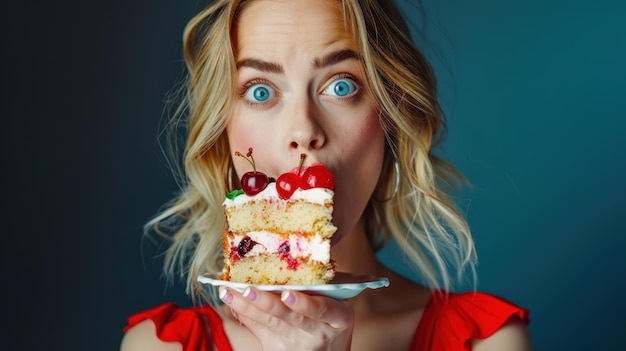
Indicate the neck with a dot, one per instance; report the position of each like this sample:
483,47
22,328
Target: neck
354,255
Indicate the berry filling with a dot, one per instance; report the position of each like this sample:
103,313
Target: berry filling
245,245
283,250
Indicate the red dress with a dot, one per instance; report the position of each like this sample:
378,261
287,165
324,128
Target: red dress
449,322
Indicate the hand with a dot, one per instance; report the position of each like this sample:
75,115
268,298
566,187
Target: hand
292,320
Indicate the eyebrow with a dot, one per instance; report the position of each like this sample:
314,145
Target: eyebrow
273,67
260,65
336,57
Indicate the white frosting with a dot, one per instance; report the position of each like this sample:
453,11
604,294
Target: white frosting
314,195
316,247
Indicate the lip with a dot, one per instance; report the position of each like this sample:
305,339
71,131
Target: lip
304,168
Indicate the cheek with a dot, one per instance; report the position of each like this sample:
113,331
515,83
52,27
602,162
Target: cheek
363,152
366,148
241,136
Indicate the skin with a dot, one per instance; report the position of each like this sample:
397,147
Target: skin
281,49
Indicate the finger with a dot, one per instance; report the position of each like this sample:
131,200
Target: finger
337,314
261,308
265,301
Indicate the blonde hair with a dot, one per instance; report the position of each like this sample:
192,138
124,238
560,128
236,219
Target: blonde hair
421,218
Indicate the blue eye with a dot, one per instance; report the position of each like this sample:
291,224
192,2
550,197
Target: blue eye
258,93
343,87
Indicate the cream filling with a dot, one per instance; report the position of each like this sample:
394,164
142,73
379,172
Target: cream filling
315,248
314,195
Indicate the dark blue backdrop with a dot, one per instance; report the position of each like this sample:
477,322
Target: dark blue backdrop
534,94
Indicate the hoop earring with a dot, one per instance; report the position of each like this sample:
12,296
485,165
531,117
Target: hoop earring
396,185
230,178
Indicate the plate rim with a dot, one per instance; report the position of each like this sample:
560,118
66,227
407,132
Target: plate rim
337,290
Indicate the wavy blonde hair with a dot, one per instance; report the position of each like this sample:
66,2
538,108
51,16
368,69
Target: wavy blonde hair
420,217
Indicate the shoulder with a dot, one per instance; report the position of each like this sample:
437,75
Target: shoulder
476,320
169,327
513,336
143,337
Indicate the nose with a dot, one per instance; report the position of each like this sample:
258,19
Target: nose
305,132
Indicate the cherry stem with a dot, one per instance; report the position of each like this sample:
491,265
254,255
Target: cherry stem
248,158
302,156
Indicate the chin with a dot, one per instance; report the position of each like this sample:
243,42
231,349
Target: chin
336,238
345,218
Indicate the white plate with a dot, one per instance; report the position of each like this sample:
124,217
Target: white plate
343,286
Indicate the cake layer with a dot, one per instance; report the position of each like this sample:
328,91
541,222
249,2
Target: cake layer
281,217
313,248
277,269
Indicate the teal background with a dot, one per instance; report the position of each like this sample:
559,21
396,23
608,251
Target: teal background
533,91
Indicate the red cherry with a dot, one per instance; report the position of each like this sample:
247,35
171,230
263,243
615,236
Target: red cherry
253,183
318,177
286,184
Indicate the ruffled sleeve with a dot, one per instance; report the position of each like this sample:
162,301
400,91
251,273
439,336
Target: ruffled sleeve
451,321
195,328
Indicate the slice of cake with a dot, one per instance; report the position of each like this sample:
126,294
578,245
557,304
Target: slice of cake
279,232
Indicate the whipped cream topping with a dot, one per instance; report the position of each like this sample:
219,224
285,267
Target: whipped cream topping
314,195
315,247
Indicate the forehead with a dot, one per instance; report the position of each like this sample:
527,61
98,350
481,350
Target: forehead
270,24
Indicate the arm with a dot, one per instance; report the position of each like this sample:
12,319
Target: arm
513,336
142,337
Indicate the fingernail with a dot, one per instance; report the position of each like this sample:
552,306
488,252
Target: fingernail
249,294
226,296
288,298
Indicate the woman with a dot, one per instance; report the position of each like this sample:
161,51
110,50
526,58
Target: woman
342,82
